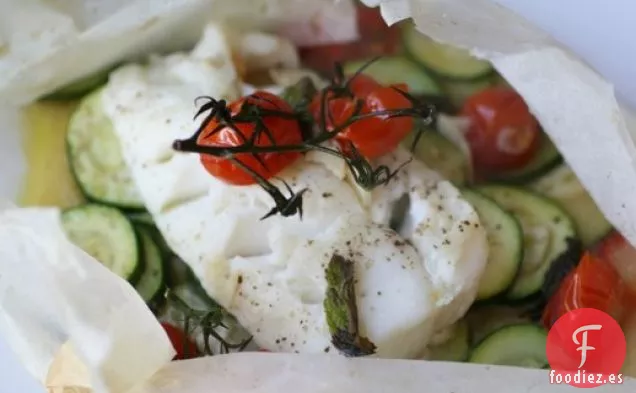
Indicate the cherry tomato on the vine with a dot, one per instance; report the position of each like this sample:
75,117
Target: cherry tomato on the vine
594,283
183,345
373,136
503,135
285,131
615,249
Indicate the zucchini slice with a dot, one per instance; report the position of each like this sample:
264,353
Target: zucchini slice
562,186
142,218
484,319
397,69
505,244
96,159
520,345
446,61
458,91
151,281
546,159
439,154
456,348
107,235
79,88
548,234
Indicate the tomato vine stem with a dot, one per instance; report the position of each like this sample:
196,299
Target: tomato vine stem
364,174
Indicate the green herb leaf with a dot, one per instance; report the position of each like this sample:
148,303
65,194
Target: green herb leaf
342,311
200,314
300,94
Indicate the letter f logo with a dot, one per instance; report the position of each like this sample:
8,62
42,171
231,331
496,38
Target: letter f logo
583,344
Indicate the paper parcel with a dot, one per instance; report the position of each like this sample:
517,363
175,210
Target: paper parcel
79,328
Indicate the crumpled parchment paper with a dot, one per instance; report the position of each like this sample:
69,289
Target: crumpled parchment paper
52,293
79,328
42,40
573,103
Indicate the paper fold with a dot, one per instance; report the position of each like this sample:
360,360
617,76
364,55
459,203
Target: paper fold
274,373
42,40
52,293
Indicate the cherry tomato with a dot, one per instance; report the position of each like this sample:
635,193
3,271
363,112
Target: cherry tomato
503,135
594,283
284,131
615,249
376,39
183,345
373,136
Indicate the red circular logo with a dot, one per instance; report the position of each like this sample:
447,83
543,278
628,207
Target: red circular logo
586,348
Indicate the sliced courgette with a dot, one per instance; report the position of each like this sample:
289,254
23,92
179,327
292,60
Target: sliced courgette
444,60
80,87
505,245
142,218
458,91
193,294
484,319
546,159
456,348
515,345
178,273
397,69
562,186
107,235
96,159
547,229
151,281
440,154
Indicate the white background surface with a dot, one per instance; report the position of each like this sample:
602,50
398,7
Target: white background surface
602,32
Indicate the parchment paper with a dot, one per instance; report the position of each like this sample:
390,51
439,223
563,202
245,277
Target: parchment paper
574,104
78,327
42,40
